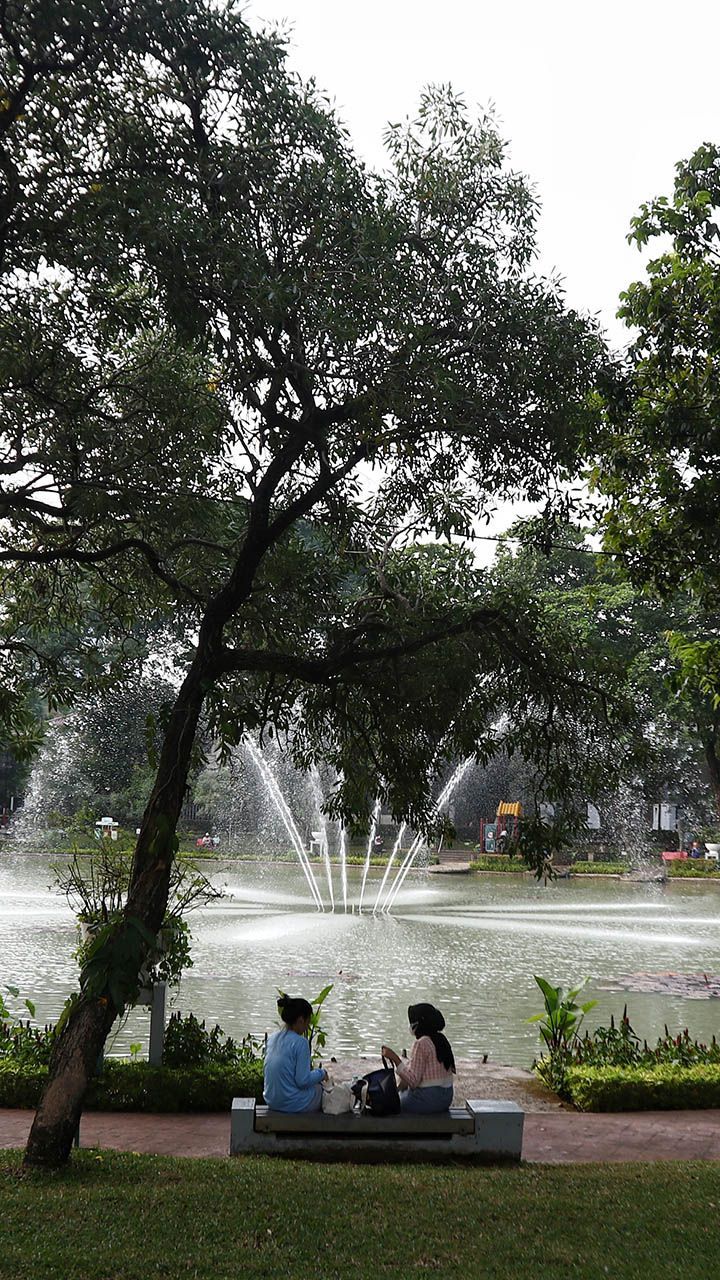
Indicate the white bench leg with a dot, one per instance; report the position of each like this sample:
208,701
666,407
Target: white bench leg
242,1127
498,1127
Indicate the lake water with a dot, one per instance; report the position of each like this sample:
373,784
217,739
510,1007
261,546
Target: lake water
469,944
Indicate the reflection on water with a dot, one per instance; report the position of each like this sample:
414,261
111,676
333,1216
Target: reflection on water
469,944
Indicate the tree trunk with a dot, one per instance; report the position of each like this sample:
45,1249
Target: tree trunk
712,761
58,1114
82,1039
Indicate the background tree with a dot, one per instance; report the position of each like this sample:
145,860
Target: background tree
97,754
695,680
241,376
647,642
659,463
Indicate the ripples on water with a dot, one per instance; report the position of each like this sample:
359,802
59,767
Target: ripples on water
470,944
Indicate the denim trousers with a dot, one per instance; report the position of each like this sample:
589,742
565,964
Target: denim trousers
432,1098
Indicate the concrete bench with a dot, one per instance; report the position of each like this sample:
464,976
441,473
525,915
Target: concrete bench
484,1129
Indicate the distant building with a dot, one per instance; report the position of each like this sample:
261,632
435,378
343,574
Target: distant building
665,817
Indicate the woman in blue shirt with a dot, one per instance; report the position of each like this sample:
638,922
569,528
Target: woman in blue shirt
291,1084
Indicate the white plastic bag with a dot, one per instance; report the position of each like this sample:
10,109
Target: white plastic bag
337,1098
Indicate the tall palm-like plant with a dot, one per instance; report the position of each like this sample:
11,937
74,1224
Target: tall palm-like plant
559,1025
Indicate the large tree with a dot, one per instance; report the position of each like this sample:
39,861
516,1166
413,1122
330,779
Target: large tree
241,374
648,644
659,462
661,458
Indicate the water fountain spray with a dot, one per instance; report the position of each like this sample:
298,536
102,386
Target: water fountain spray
318,798
390,863
396,846
343,867
371,842
402,872
414,849
273,788
342,856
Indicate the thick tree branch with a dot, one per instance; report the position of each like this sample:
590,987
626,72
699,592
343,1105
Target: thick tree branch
344,657
318,670
71,553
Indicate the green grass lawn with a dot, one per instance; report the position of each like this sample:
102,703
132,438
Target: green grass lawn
123,1217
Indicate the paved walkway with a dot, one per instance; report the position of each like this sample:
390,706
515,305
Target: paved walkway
561,1138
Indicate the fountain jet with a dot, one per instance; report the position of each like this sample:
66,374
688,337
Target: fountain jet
318,798
410,856
371,841
343,867
390,863
273,788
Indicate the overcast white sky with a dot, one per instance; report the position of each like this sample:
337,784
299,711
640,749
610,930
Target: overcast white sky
597,100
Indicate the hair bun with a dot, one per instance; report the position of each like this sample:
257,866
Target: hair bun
291,1008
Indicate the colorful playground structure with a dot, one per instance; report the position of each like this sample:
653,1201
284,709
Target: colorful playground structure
497,833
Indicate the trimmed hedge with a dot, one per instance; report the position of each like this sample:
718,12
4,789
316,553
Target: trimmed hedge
136,1086
663,1088
499,864
599,868
692,868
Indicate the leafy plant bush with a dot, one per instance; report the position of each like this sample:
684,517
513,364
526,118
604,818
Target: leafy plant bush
316,1032
136,1086
663,1087
600,868
188,1043
559,1025
20,1041
96,888
617,1050
618,1045
20,1083
609,1046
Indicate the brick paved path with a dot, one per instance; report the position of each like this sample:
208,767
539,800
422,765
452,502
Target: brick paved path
562,1138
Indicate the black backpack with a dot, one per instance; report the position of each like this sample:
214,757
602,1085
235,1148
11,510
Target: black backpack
377,1092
